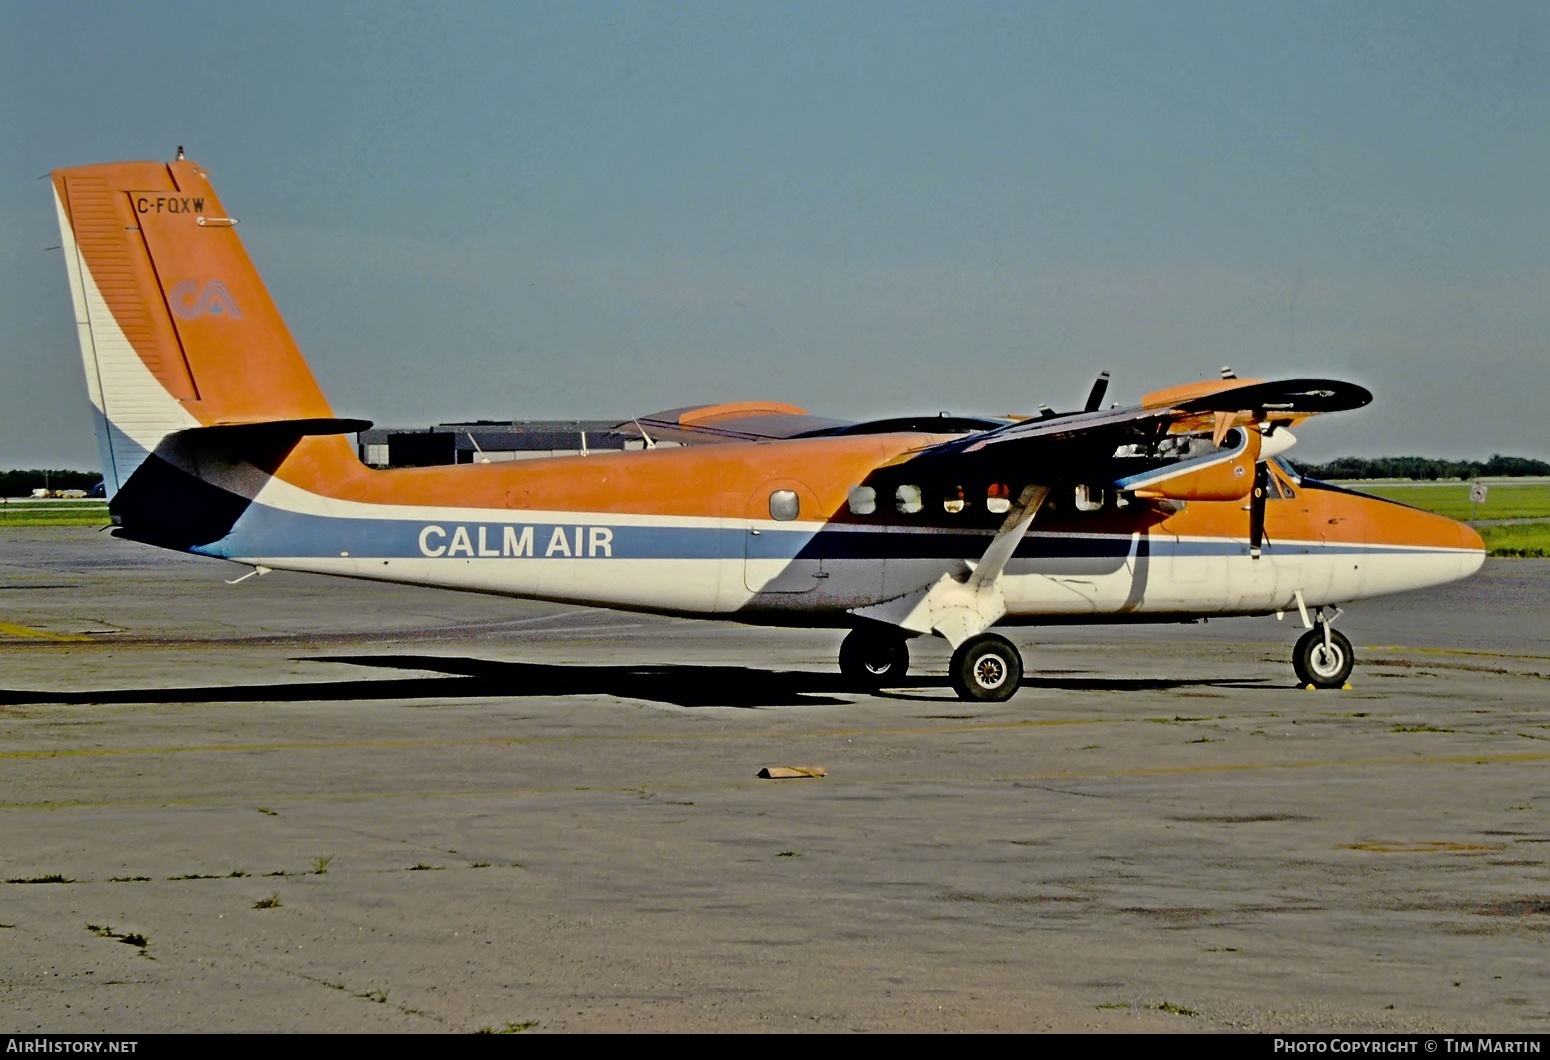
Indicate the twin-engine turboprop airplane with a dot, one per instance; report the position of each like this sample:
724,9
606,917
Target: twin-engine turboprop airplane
217,441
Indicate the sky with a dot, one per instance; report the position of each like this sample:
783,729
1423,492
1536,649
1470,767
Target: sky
588,210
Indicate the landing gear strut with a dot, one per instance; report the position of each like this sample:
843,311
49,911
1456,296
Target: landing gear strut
871,657
986,668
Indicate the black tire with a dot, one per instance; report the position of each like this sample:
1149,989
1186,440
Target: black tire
872,658
986,669
1319,666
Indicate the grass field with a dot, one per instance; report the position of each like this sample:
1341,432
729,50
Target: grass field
1510,500
1503,501
14,512
1528,540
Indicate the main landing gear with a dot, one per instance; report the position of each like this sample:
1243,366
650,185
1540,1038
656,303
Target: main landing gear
986,668
874,656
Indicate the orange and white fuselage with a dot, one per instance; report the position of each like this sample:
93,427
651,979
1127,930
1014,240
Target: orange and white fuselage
217,440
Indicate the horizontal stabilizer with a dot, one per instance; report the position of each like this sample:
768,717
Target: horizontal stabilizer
192,489
293,429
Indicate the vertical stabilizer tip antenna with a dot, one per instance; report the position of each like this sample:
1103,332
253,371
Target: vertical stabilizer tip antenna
180,153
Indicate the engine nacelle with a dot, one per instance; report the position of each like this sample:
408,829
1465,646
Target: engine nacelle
1224,475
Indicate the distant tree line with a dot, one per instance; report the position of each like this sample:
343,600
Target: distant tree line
22,483
1424,468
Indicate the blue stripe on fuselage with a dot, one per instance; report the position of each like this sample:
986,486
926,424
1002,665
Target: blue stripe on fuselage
268,531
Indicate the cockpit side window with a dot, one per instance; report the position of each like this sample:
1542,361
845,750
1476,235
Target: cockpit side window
1288,472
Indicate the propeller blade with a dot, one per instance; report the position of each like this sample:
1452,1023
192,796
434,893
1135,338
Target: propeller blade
1257,509
1095,396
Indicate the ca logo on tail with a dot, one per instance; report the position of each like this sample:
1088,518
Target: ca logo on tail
189,300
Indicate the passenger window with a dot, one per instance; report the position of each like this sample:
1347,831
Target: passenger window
953,501
907,499
998,498
863,500
784,505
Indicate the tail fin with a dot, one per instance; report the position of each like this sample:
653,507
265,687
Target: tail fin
176,329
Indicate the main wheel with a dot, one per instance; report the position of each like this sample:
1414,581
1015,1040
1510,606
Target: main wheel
872,658
986,668
1321,665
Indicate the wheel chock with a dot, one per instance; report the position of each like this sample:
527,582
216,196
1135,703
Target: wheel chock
791,772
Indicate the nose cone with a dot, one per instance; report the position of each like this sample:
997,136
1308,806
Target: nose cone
1436,531
1469,539
1412,549
1392,523
1436,549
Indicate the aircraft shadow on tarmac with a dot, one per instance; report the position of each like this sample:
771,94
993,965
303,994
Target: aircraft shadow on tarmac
679,685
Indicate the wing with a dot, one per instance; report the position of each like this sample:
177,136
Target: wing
742,421
1182,439
754,421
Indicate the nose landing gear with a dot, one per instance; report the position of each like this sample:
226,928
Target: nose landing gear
1322,657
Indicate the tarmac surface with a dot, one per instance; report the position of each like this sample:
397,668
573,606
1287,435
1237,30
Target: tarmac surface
308,804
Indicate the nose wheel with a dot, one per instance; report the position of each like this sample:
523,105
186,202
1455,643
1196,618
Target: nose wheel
871,657
986,669
1323,657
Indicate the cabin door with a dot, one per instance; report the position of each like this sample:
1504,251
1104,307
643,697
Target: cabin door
781,521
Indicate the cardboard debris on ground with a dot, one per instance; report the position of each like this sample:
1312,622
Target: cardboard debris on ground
791,772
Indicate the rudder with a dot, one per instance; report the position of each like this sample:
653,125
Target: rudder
177,330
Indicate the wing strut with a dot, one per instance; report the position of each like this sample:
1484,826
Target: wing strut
963,603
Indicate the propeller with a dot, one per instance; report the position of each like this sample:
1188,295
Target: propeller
1095,396
1257,508
1094,400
